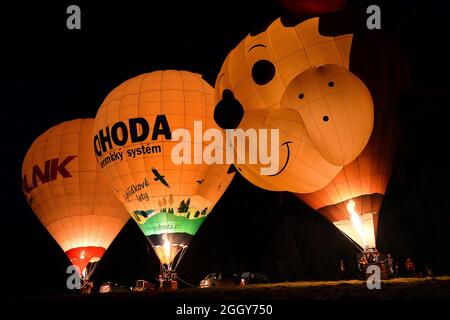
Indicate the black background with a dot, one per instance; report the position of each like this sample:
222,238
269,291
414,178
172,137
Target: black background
50,74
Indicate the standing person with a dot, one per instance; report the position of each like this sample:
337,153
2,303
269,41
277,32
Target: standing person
341,270
362,265
376,256
410,267
390,262
428,271
397,270
370,258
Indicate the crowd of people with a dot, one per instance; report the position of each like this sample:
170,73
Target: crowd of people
389,267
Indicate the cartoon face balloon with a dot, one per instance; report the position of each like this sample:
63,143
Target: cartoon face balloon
296,80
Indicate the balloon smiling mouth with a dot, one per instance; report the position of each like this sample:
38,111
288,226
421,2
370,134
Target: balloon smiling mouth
287,159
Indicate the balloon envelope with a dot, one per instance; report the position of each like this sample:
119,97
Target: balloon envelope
133,141
294,79
68,193
364,181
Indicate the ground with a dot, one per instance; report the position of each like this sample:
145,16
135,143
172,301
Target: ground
402,288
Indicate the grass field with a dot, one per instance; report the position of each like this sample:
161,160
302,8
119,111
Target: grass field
402,288
396,289
402,297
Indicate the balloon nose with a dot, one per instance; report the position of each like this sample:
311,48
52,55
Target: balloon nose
229,111
336,108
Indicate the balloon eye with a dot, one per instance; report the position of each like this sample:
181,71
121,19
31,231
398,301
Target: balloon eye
263,72
301,96
228,112
331,84
325,118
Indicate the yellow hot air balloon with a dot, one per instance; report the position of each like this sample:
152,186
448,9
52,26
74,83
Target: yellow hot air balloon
352,201
136,134
294,79
68,193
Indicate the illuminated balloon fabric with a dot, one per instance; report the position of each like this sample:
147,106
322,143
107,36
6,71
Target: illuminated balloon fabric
168,201
298,69
364,181
333,104
289,51
300,172
68,193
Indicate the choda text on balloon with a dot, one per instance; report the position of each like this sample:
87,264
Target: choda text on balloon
129,136
137,130
213,146
241,147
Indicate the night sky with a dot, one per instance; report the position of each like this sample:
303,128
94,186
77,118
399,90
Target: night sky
50,74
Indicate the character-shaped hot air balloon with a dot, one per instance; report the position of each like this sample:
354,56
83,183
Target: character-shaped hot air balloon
352,200
136,143
294,79
69,194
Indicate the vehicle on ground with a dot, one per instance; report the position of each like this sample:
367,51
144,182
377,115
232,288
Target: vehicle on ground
253,278
220,280
143,286
112,287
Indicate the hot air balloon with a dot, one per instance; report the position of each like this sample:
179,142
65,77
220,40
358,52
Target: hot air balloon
293,79
70,196
352,201
134,141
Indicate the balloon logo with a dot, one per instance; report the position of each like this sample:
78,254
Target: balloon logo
133,144
68,193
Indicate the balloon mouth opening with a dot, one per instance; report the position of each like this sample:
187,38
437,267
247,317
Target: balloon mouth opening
80,257
168,252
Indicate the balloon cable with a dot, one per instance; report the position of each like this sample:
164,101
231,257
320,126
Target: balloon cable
183,251
186,283
91,270
358,247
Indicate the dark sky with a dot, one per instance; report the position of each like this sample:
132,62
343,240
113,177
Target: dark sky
50,74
